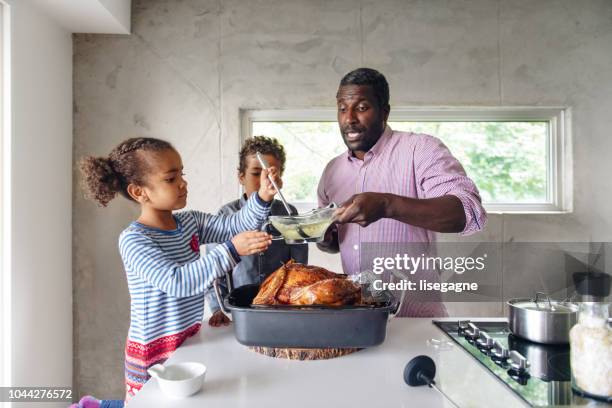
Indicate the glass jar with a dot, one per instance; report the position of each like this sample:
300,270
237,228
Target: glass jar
591,351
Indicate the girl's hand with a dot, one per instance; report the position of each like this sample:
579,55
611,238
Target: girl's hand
266,189
218,319
251,242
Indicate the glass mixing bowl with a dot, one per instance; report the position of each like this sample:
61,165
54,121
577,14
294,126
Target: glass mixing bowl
302,228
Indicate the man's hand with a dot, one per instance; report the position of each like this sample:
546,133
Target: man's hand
439,214
218,319
363,209
251,242
266,188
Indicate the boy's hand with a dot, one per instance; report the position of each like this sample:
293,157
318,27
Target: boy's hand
218,319
251,242
266,189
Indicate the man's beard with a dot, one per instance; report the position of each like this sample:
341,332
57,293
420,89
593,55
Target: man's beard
367,140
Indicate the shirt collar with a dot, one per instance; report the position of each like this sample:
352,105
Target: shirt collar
243,199
378,148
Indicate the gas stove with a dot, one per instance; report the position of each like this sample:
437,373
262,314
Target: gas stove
540,374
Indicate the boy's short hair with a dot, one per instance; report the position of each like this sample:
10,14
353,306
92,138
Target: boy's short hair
263,145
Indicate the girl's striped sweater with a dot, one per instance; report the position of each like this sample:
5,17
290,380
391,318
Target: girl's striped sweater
167,279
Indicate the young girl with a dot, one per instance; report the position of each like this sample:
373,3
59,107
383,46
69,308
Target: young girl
166,276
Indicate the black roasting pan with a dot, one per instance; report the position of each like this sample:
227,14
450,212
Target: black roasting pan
314,326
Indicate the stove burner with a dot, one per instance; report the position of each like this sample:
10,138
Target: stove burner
548,362
559,367
539,374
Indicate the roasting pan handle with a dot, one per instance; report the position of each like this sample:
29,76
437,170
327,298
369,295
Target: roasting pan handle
395,305
228,280
393,312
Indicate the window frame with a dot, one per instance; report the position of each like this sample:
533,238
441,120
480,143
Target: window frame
558,144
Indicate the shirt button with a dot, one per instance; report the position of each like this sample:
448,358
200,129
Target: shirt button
355,247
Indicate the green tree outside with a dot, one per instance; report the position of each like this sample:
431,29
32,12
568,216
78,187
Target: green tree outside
506,160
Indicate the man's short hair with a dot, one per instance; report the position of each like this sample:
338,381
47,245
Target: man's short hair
371,77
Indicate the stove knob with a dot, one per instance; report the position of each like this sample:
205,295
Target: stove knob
485,341
462,325
472,332
499,352
521,378
518,363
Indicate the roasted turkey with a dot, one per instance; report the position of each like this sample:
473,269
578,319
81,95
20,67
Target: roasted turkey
298,284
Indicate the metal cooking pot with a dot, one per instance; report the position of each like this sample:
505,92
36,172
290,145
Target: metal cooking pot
542,321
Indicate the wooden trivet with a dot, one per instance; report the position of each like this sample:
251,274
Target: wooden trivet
303,353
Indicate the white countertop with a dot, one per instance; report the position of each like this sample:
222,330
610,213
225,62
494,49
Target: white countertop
239,377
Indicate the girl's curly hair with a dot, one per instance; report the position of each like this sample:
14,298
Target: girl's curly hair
263,145
104,177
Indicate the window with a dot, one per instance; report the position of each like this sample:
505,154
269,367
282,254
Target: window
518,157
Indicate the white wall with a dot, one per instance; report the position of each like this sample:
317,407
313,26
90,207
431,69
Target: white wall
88,16
41,188
121,10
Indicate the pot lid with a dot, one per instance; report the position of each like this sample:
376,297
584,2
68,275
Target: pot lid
545,306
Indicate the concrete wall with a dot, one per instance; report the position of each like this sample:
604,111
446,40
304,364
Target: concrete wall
41,200
191,65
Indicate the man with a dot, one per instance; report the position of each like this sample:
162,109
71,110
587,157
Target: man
396,187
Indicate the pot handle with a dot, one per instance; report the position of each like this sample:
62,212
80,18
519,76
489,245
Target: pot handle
538,295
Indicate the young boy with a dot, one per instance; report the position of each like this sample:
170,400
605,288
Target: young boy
255,268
